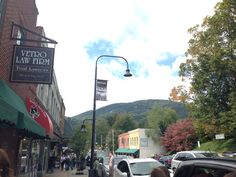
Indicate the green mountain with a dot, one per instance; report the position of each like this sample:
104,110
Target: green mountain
138,109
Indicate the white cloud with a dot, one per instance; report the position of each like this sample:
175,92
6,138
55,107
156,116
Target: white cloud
141,31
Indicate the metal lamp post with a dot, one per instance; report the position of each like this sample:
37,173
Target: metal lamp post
83,128
127,74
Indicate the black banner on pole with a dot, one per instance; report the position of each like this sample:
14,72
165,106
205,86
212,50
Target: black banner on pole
101,91
32,64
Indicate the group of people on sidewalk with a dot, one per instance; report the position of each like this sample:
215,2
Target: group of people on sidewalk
70,161
67,161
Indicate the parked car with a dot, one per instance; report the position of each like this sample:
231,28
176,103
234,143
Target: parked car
229,154
185,155
166,160
103,167
140,167
206,167
116,160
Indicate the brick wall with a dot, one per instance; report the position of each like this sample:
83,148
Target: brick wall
24,13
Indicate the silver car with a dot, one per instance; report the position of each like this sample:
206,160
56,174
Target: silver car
185,155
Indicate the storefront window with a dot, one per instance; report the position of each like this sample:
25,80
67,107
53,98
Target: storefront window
29,157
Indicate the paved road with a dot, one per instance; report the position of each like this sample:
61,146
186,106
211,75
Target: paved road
70,173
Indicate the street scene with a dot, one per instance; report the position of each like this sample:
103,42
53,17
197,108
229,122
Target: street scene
117,88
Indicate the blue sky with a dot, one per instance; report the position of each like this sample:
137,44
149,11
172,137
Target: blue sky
152,35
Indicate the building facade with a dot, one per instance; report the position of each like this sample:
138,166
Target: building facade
27,141
50,98
123,140
137,144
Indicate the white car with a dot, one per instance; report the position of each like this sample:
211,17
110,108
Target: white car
138,167
185,155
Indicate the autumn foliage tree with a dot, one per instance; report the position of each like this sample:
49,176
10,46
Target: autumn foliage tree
179,94
179,136
211,67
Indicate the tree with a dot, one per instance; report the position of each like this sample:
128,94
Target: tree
211,67
229,118
158,120
102,128
124,123
80,141
179,136
111,118
179,94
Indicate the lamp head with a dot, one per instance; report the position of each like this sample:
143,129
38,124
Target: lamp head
127,73
83,128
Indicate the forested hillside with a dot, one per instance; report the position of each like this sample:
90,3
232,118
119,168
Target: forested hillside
137,109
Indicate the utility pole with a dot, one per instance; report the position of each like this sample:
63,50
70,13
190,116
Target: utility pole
112,135
101,141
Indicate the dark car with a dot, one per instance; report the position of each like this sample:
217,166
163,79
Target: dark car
166,160
206,167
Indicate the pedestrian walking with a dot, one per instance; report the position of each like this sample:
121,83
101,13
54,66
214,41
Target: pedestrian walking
67,162
50,164
111,164
62,161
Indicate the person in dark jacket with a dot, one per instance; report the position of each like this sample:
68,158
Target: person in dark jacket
62,161
95,166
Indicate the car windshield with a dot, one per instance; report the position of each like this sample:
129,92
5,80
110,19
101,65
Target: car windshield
143,168
206,154
106,160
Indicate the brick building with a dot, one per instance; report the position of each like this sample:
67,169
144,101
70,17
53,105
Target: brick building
28,143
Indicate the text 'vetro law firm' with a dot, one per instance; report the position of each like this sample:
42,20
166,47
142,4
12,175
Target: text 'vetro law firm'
33,57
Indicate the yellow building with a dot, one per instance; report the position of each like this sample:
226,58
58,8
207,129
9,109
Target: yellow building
139,144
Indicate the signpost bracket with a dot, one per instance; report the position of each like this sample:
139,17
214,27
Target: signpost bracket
46,40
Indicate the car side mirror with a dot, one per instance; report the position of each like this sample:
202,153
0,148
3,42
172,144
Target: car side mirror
124,174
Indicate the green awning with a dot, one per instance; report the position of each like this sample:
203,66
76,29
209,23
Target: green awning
25,122
13,111
127,151
8,112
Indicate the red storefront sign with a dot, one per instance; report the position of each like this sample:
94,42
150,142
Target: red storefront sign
40,116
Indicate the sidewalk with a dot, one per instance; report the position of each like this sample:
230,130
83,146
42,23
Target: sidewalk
70,173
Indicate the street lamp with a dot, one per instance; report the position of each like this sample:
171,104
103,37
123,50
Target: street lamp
83,128
127,74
